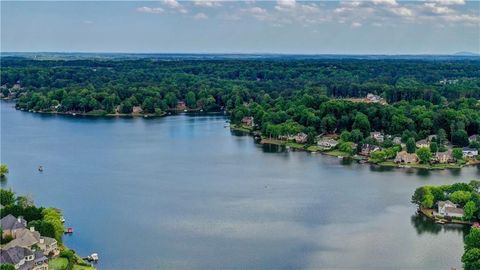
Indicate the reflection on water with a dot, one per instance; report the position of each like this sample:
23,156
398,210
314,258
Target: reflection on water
423,224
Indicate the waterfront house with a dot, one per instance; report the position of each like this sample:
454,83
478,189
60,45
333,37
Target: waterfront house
29,237
137,109
404,157
301,138
248,121
473,138
469,152
368,148
378,136
10,225
422,143
327,143
449,209
373,98
23,258
181,105
444,157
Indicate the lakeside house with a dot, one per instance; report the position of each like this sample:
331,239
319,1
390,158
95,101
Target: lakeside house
422,144
373,98
28,238
377,136
449,209
327,143
404,157
10,225
137,109
473,138
368,148
469,152
444,157
248,121
300,137
23,258
181,105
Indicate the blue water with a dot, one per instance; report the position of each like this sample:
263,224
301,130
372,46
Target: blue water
183,192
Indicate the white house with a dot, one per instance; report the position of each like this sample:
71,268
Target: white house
327,143
449,209
469,152
378,136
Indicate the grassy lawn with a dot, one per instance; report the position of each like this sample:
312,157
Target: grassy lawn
80,267
240,128
423,166
57,264
337,153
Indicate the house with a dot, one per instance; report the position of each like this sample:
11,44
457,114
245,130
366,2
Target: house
444,157
431,138
327,143
248,121
469,152
181,105
422,143
377,136
137,109
10,225
28,237
301,138
368,148
397,140
23,258
404,157
473,138
449,209
373,98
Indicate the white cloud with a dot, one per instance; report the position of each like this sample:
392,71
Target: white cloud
401,11
385,2
150,10
449,2
200,16
258,11
87,22
356,24
285,5
174,4
434,8
207,3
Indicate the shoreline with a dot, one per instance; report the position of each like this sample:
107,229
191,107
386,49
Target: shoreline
428,212
360,159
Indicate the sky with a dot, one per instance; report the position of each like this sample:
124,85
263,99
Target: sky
201,26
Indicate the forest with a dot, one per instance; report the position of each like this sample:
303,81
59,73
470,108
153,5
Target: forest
284,96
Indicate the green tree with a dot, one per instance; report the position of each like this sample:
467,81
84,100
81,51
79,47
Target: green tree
433,147
7,267
471,259
361,122
345,136
424,155
148,105
472,240
3,169
171,99
411,146
460,196
441,136
356,136
457,153
469,210
191,100
7,197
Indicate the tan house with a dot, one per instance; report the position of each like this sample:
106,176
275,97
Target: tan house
377,136
444,157
11,225
28,237
23,258
301,138
248,121
404,157
137,109
422,144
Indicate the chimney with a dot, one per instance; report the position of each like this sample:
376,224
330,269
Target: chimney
32,229
42,240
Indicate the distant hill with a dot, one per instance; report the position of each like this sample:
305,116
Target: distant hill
467,54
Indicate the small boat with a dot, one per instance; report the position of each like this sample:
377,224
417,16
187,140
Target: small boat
340,157
74,114
62,219
40,168
93,257
69,230
185,110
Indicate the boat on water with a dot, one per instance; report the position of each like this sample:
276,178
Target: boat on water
69,230
40,168
92,257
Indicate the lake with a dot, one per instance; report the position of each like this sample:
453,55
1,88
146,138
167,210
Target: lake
184,192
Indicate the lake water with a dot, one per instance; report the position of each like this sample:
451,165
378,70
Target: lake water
183,192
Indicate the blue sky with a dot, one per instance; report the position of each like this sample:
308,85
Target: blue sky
288,26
